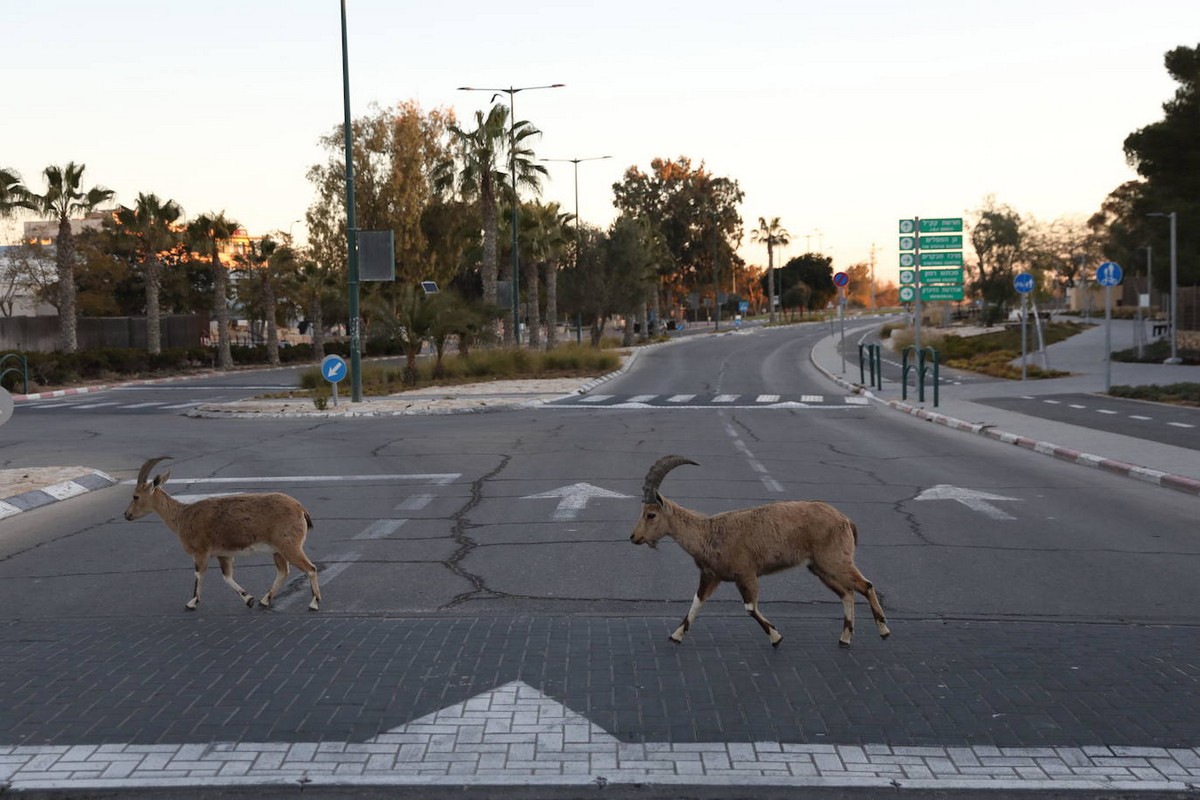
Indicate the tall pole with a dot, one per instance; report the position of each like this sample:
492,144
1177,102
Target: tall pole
576,161
351,233
511,91
1174,359
1174,320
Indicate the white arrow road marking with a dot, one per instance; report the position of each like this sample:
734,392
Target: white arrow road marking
514,735
972,499
574,498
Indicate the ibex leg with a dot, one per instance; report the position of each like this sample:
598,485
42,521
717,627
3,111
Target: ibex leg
226,563
708,585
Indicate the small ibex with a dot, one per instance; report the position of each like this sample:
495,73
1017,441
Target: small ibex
741,545
231,526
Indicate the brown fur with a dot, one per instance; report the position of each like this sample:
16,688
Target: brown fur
225,527
740,546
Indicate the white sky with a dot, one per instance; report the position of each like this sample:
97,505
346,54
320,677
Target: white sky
838,117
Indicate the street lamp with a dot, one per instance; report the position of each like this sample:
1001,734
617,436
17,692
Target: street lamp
576,161
1174,359
351,232
511,91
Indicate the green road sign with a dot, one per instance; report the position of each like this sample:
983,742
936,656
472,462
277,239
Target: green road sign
951,276
907,226
932,293
943,225
908,259
941,243
908,294
946,259
908,242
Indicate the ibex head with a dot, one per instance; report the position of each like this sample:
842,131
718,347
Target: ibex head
653,524
141,504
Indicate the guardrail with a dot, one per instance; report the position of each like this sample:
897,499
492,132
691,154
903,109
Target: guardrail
922,370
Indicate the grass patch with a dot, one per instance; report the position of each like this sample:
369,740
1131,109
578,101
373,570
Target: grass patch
1184,394
568,361
991,353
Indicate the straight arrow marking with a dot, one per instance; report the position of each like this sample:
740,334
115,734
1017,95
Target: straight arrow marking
574,498
972,499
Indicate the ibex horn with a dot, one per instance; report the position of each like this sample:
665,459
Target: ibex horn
659,471
144,472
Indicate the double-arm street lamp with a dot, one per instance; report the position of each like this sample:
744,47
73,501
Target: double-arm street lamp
511,91
1174,359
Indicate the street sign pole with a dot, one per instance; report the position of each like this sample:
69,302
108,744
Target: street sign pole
917,300
1024,346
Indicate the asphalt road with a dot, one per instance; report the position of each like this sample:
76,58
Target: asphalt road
1033,603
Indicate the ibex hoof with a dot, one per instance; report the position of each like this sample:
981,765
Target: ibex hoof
843,644
190,607
249,601
675,639
777,642
264,602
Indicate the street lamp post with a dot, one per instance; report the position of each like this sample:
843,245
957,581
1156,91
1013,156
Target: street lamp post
1174,321
351,233
511,91
575,161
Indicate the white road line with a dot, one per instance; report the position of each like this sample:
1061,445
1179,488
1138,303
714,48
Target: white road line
440,478
852,400
1139,416
415,502
812,398
186,405
767,398
756,465
1105,411
380,529
1052,402
98,405
143,405
641,398
680,398
1076,405
1181,424
324,576
725,398
596,398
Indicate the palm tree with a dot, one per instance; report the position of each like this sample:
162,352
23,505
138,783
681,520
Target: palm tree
62,200
486,155
149,229
13,194
546,237
259,263
771,233
311,283
205,234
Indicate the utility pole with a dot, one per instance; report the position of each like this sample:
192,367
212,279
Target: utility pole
872,276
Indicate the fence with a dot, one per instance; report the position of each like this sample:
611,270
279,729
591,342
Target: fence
40,334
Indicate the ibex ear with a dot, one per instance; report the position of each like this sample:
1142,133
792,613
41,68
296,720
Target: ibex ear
160,479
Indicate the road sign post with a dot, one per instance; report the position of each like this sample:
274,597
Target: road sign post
842,280
333,369
1108,275
1023,283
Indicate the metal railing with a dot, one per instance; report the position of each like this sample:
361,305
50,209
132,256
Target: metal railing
922,370
872,355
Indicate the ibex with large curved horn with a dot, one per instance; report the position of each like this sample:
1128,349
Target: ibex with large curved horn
230,526
742,545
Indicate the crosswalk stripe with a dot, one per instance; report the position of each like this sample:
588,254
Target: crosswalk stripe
1181,424
185,405
596,398
725,398
143,405
767,398
812,398
680,398
98,405
850,400
642,398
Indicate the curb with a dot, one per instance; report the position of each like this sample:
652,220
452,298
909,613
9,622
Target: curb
36,498
1167,480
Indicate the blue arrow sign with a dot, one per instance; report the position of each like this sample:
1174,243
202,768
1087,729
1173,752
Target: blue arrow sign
1109,273
1023,283
333,368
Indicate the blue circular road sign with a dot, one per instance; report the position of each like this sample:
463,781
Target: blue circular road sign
1023,282
841,279
333,368
1109,273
